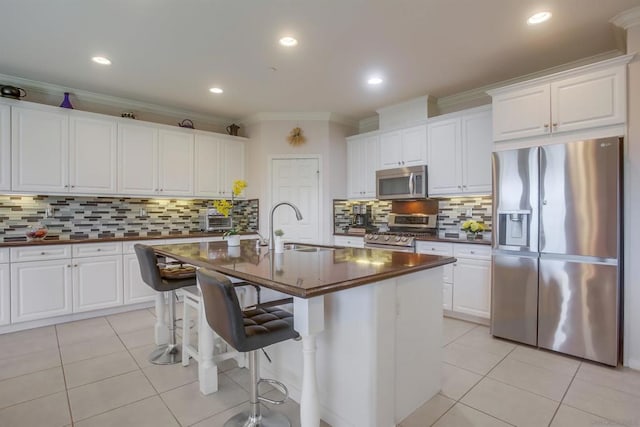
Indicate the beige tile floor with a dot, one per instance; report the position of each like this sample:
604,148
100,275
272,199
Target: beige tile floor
95,373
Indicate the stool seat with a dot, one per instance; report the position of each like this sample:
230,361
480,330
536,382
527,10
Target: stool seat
265,326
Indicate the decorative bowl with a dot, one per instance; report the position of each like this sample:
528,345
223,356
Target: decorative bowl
36,233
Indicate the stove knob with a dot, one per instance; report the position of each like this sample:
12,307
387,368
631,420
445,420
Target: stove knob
376,237
368,236
386,238
405,239
398,238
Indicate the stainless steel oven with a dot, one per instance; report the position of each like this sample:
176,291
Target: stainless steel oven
402,183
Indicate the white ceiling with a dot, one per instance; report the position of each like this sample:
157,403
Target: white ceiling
169,52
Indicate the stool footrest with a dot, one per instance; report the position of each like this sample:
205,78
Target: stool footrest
277,385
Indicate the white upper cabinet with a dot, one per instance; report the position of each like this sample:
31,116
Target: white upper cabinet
92,154
362,163
175,174
138,159
39,146
5,147
405,147
587,97
460,148
218,162
231,165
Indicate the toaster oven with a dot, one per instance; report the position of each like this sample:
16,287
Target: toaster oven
212,220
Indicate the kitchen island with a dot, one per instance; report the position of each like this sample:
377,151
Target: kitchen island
376,316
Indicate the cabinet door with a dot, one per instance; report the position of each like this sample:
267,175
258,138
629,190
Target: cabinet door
444,151
5,147
5,294
40,289
371,157
390,150
477,146
97,282
355,161
92,155
207,170
135,290
232,165
521,113
447,296
414,146
39,146
137,159
349,241
176,163
591,100
472,287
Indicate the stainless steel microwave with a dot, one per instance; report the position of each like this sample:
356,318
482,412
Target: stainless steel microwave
402,183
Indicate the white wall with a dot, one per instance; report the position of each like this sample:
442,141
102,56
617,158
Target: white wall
325,139
632,207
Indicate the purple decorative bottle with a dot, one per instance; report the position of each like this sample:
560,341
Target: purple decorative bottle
65,102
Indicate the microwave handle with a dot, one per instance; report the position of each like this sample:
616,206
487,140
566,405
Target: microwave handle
411,186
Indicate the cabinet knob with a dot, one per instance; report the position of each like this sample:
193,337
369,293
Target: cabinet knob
75,265
98,249
68,265
546,125
472,252
66,186
43,253
555,125
73,186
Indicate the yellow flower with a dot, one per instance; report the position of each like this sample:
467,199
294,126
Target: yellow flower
223,206
473,226
238,186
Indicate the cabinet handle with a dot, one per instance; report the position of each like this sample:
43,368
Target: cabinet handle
555,125
472,252
546,125
403,162
43,253
73,186
75,265
455,265
98,249
464,186
66,186
68,265
399,164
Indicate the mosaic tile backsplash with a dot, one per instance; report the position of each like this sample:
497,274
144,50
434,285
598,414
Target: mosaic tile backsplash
452,212
100,217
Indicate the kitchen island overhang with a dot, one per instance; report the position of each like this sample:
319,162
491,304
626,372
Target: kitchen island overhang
376,315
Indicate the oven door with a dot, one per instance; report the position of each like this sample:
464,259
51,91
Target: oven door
401,183
389,247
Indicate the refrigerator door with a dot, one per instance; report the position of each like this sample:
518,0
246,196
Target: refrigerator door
514,296
579,198
515,199
578,311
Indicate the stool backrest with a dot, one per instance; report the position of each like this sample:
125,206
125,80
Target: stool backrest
148,266
221,307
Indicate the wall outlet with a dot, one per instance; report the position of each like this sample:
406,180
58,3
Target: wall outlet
48,212
469,214
143,212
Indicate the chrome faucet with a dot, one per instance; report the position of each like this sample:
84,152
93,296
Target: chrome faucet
261,241
272,240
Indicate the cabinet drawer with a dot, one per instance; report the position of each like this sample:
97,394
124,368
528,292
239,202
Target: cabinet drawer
349,241
461,250
40,253
4,255
96,249
435,248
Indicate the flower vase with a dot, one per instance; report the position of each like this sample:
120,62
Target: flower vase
233,240
471,236
66,103
279,245
233,251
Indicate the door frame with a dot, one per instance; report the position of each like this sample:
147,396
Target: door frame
321,201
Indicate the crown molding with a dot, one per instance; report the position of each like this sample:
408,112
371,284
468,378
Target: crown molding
369,124
300,116
627,19
49,89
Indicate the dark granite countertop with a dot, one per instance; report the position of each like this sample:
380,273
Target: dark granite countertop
49,240
431,239
300,273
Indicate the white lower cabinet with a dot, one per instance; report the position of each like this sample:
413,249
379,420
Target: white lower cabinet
472,280
349,241
40,289
5,291
135,290
97,282
441,249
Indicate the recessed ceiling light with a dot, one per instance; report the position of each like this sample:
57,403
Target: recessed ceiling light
101,60
374,80
215,90
538,18
288,41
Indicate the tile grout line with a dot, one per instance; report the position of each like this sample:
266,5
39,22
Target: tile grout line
64,377
565,394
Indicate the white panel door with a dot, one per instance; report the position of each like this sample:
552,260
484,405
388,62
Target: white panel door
93,162
175,175
97,282
477,145
472,287
5,147
207,166
522,113
297,181
414,146
232,165
390,150
5,294
135,290
444,172
137,159
591,100
40,289
39,146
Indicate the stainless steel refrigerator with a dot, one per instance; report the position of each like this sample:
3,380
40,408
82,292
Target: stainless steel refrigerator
556,279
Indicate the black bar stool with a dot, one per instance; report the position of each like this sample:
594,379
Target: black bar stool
247,331
151,275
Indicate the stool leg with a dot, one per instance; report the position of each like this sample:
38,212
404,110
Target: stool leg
170,353
254,417
186,330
